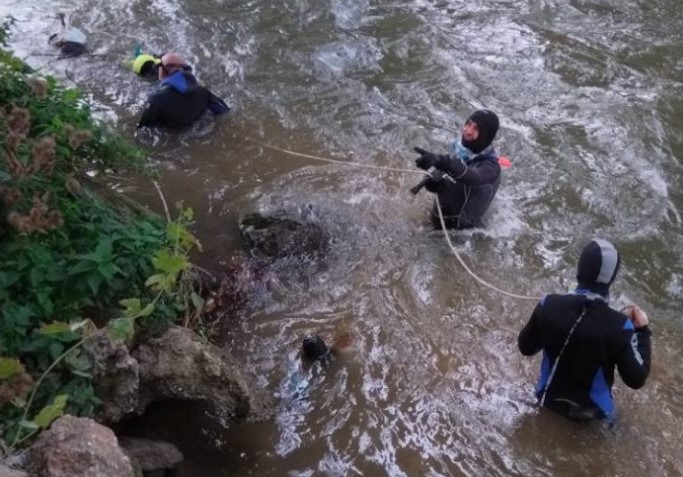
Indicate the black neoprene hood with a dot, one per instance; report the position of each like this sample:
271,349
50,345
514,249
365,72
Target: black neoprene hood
598,266
488,124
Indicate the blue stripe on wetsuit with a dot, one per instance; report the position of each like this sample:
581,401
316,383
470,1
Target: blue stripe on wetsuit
543,376
601,395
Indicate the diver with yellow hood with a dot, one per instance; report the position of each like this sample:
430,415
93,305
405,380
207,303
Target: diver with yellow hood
146,65
180,99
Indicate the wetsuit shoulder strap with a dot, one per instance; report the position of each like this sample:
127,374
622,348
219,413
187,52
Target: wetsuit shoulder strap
559,355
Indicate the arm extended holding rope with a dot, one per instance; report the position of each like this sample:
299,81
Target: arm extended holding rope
440,164
438,204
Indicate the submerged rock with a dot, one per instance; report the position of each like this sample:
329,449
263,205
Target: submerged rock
279,237
233,289
77,447
6,471
178,365
152,455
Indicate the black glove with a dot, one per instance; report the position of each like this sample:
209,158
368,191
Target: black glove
426,160
432,184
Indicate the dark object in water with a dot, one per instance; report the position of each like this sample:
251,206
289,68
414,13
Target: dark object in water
67,48
314,348
279,236
70,41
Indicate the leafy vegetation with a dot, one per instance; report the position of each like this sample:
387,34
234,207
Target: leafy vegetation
72,263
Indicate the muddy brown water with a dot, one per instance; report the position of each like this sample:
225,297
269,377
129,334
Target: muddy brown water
589,95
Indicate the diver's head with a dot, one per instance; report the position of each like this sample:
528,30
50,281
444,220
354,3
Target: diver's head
480,130
146,66
172,63
314,348
598,266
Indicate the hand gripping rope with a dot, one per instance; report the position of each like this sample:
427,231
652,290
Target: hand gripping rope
404,171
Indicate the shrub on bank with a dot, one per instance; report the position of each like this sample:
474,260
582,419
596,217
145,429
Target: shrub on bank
76,259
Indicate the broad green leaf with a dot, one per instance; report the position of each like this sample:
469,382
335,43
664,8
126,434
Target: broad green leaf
83,266
104,251
51,412
94,280
77,362
29,425
106,270
36,276
130,303
19,402
93,257
82,374
71,95
55,349
176,232
8,279
122,328
187,213
63,151
197,301
9,367
54,328
162,282
169,263
132,307
154,280
146,311
76,325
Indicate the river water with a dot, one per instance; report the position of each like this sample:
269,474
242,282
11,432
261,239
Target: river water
589,96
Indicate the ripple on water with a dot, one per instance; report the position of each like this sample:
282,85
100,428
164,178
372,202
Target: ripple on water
588,99
348,56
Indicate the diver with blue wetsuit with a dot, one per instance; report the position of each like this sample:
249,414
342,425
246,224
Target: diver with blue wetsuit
466,181
180,100
583,340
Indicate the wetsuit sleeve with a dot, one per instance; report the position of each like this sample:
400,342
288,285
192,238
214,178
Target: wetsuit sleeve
457,169
150,116
634,358
216,105
529,339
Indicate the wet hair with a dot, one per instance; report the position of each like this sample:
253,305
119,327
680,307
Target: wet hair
314,348
149,69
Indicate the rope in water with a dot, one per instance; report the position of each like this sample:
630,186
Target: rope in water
337,161
438,205
467,269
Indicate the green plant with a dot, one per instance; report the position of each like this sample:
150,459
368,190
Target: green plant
168,264
72,264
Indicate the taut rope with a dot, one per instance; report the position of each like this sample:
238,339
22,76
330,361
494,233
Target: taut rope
438,205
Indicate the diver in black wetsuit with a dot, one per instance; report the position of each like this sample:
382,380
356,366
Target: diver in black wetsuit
466,181
583,340
180,100
314,348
